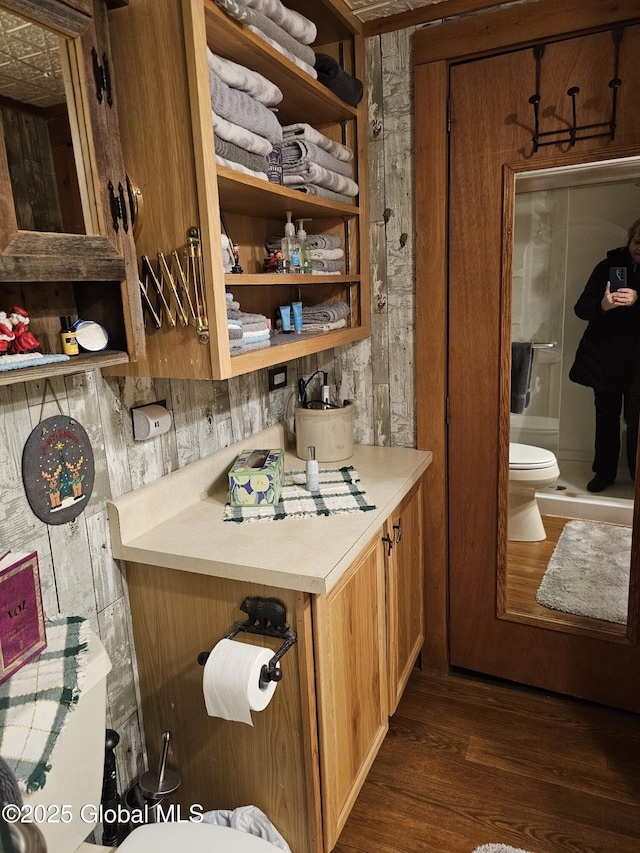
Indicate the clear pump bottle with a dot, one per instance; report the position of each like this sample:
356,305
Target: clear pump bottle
305,248
288,243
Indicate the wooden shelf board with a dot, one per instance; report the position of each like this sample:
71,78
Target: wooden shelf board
254,197
77,364
271,279
250,361
304,98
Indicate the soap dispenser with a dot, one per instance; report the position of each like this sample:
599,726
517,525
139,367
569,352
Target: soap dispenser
288,243
305,248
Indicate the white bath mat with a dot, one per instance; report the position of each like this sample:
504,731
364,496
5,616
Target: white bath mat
498,848
588,573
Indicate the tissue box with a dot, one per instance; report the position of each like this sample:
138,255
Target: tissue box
256,478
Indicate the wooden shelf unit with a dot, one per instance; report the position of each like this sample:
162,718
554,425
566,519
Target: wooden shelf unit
168,144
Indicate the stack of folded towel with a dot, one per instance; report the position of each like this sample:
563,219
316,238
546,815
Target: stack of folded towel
325,317
247,331
286,30
315,164
327,254
246,129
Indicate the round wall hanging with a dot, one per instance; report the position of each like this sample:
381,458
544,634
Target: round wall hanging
58,469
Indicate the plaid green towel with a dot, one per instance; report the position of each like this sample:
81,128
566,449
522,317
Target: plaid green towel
35,701
339,491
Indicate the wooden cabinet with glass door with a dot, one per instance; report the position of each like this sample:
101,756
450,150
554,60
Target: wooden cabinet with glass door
62,252
160,54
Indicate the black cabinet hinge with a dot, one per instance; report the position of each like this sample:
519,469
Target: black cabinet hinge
102,76
118,208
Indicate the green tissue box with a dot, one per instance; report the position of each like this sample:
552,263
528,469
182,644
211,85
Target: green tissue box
256,478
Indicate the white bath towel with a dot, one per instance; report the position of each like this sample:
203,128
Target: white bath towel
242,169
326,254
314,174
310,134
293,22
244,79
246,139
309,69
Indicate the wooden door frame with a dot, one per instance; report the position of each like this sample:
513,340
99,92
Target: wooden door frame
435,50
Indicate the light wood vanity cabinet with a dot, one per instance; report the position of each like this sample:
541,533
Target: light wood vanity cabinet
307,756
168,142
60,253
405,591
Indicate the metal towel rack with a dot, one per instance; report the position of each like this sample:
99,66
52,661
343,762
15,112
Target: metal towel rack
545,345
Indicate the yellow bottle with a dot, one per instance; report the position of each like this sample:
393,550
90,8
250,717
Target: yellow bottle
68,337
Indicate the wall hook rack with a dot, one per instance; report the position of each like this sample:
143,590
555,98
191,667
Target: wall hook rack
266,617
589,131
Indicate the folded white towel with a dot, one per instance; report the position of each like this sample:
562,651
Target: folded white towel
293,22
309,69
239,168
244,79
246,139
326,254
310,134
314,174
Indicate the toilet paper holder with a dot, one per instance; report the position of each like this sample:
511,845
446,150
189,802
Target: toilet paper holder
266,617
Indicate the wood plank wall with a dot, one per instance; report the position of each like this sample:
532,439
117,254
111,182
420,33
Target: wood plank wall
79,575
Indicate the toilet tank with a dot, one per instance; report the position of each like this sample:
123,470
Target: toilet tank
77,762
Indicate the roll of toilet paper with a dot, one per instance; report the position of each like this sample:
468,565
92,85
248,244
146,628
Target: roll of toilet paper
231,681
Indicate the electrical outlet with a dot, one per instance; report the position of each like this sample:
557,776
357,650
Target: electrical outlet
277,377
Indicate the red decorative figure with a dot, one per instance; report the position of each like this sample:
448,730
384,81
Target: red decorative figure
25,341
6,333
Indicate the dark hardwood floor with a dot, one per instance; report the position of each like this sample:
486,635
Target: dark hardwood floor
471,761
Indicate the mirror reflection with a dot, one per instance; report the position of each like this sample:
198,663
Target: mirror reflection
568,549
36,128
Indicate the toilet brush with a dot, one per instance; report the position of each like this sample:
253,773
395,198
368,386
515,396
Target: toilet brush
156,786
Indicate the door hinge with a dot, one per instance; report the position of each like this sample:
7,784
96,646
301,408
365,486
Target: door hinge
449,115
118,208
446,410
102,76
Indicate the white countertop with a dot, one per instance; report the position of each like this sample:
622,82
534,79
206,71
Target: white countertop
177,522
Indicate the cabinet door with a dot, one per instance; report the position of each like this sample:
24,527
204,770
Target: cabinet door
405,585
59,157
350,657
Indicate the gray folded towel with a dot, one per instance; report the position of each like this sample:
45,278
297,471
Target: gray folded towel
239,77
299,153
323,192
301,130
242,109
521,371
325,312
236,154
274,31
294,23
326,265
312,173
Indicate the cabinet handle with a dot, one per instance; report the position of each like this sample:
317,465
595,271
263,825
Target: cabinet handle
398,529
386,538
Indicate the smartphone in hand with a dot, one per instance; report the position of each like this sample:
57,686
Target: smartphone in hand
617,278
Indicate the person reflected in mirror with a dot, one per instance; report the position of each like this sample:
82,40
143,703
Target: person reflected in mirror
607,355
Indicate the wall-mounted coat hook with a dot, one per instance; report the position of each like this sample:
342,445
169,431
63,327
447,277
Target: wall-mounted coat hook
386,214
267,617
589,131
403,239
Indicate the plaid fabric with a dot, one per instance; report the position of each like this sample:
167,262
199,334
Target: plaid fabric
339,491
35,701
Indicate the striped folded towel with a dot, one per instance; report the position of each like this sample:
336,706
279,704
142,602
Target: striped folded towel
36,700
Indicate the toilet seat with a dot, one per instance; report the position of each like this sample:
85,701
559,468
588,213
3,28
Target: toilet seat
525,457
194,837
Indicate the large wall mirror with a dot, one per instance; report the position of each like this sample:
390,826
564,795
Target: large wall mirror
565,222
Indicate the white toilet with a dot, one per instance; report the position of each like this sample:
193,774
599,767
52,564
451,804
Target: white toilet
530,469
75,781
